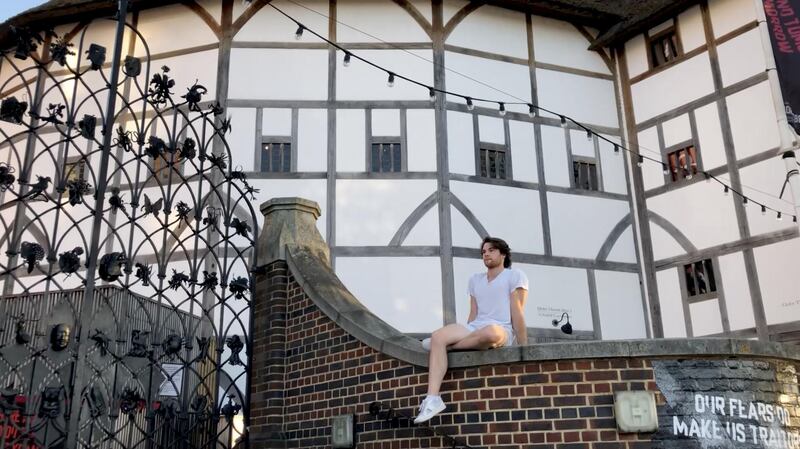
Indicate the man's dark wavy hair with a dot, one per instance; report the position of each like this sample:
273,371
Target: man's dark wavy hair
501,246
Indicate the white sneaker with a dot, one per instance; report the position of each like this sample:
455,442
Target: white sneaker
430,407
426,344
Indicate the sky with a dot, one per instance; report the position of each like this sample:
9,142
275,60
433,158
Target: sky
10,8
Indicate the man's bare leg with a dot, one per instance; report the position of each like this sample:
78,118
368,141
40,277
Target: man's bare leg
460,338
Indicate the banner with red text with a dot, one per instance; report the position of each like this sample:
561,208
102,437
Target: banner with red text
783,21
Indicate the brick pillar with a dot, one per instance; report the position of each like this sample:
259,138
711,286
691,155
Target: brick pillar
287,221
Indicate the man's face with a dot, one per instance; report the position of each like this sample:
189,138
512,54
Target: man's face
491,256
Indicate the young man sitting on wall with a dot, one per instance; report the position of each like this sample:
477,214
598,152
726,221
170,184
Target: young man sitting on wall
497,298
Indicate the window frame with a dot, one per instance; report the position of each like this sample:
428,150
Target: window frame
586,160
488,146
382,140
660,36
273,140
673,149
709,294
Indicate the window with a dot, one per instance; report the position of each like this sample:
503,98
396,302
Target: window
386,157
682,163
161,166
493,163
276,157
664,47
700,278
75,170
584,173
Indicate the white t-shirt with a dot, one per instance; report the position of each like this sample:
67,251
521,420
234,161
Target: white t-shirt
494,298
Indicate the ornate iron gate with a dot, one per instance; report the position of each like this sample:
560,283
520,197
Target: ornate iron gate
128,242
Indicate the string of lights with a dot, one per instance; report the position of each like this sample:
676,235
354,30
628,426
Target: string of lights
534,110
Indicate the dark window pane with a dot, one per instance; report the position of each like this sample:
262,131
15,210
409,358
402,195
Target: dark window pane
664,48
484,163
492,164
712,283
689,271
265,157
396,160
287,157
375,158
276,157
593,184
501,164
386,157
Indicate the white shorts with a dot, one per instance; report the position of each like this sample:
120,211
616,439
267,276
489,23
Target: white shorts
473,326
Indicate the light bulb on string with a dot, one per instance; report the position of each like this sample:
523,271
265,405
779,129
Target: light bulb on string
640,161
727,191
779,217
299,33
763,210
665,168
744,201
794,219
346,61
470,106
390,81
708,177
563,121
502,110
431,94
589,134
531,110
616,149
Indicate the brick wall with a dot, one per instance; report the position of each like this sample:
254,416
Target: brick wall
307,370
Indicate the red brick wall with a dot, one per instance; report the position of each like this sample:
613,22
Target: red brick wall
315,371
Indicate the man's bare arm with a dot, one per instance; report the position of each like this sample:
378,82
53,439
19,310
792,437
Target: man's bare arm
473,309
518,298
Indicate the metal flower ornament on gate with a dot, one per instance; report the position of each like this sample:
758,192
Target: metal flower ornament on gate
127,245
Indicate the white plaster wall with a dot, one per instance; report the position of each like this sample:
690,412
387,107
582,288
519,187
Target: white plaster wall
690,29
737,291
669,296
765,177
709,134
557,171
753,122
636,56
491,130
241,140
362,213
312,140
508,36
161,25
523,151
581,146
460,143
350,144
426,231
677,130
407,306
360,81
514,79
706,318
579,225
701,212
588,100
276,122
493,205
312,189
278,74
624,250
462,232
646,105
386,122
613,166
421,137
779,278
727,15
619,301
385,20
741,57
213,7
664,245
424,8
554,290
268,25
463,268
652,173
558,42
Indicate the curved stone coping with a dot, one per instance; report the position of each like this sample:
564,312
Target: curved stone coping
328,293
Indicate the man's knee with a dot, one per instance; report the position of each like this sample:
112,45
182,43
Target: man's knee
493,335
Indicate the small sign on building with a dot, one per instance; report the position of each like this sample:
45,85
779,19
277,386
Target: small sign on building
635,411
173,380
342,431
